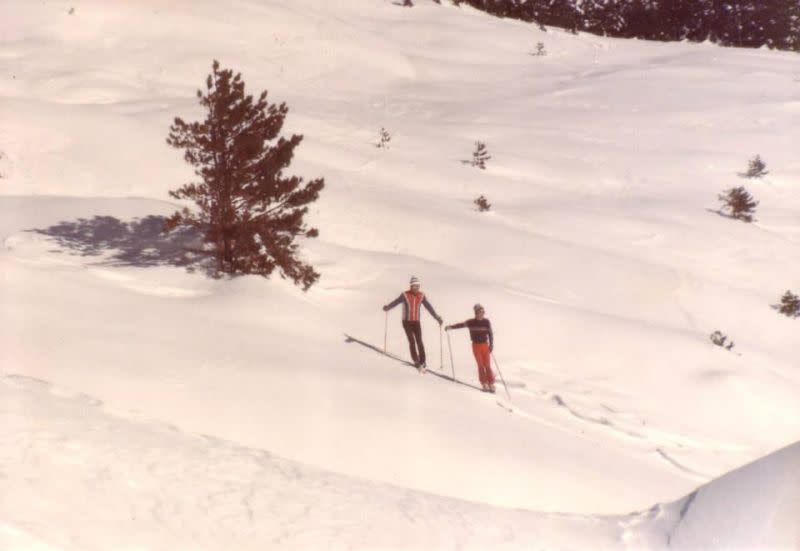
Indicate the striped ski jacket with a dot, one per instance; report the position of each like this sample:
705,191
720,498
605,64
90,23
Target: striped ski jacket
411,302
480,331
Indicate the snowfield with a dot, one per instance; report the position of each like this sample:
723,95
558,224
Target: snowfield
144,405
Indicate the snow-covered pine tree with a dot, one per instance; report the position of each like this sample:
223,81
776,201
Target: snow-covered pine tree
756,168
249,212
790,305
739,203
480,155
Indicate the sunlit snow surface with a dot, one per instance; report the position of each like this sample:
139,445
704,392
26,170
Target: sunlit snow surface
147,406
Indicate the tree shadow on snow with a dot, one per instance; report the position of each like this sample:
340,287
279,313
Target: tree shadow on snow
729,216
141,242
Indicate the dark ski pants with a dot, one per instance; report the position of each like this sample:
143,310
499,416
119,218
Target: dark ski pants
414,333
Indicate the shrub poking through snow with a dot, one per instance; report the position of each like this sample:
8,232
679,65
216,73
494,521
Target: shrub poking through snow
739,203
480,155
249,211
482,203
540,50
384,139
790,305
720,340
756,168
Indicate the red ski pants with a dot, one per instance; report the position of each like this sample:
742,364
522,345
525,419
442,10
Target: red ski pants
484,358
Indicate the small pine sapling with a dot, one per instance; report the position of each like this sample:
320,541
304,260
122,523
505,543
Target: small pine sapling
756,168
790,305
480,155
540,49
739,203
482,203
384,139
719,339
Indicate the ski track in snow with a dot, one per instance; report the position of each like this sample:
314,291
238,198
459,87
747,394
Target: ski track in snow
647,436
650,438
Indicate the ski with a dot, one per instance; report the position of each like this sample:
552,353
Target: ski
421,370
351,339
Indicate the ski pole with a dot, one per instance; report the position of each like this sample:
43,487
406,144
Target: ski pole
450,347
385,333
441,351
501,375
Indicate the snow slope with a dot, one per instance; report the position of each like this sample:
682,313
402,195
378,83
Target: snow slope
150,486
601,265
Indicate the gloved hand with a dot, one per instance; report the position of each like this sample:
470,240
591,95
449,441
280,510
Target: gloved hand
439,319
448,327
385,308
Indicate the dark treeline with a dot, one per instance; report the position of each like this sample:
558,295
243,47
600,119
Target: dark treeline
747,23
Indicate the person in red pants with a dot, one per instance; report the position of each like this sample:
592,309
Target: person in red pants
480,332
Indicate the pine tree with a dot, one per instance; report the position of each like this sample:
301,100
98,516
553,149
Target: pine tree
540,50
480,155
790,304
482,203
720,340
384,139
756,168
249,212
751,23
739,202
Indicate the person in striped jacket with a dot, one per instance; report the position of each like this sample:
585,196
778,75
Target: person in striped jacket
411,301
480,332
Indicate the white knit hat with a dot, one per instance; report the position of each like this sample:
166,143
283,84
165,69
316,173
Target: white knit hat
414,281
477,307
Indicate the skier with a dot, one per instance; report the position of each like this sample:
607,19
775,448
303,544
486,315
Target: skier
412,300
480,332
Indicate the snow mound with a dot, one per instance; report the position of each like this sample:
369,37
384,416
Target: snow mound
757,506
754,507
